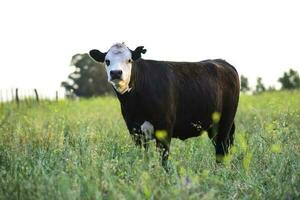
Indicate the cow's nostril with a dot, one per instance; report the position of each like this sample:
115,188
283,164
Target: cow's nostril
116,74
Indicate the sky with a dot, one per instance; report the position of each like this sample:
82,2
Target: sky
261,38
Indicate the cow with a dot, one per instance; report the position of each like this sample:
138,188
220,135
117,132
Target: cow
174,99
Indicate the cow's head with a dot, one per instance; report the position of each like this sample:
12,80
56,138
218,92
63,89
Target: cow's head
118,62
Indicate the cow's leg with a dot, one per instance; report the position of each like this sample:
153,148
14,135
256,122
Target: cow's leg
221,135
136,137
231,134
163,146
164,149
135,132
223,140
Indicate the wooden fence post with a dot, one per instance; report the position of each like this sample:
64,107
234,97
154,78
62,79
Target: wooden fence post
17,96
56,96
36,95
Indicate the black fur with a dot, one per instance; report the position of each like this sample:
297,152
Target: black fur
137,53
180,97
97,55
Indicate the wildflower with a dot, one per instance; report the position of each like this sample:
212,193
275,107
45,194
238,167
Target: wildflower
160,134
276,148
216,117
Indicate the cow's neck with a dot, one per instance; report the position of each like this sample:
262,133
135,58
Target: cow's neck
130,105
131,96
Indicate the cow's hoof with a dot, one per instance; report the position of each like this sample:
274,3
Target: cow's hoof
220,158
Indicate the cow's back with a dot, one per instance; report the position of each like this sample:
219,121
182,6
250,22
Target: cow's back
203,88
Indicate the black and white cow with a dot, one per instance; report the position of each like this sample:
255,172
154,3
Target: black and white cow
181,98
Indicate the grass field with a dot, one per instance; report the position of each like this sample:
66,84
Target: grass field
82,150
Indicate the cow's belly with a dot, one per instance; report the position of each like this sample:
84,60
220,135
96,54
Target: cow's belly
187,130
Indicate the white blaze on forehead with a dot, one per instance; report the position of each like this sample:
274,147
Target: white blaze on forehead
118,50
119,56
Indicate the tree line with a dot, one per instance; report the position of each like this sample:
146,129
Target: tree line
290,80
89,79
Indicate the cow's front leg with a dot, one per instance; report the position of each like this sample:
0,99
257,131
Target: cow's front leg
141,134
136,137
164,149
135,132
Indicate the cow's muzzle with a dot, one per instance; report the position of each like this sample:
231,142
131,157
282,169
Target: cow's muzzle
115,74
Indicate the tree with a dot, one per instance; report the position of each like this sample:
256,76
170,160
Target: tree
88,79
244,84
271,88
290,80
259,86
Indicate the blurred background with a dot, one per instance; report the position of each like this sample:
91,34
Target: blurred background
44,44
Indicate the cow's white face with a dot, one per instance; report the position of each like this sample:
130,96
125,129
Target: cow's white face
118,63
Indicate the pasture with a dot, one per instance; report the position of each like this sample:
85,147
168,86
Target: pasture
82,150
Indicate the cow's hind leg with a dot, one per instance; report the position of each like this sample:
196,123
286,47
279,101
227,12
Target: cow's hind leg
163,141
164,148
231,134
224,139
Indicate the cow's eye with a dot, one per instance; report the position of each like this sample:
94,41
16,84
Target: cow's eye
129,60
107,62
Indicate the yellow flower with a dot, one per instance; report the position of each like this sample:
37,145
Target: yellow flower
204,133
216,117
276,148
160,134
205,173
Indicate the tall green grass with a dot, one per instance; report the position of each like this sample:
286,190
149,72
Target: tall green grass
82,150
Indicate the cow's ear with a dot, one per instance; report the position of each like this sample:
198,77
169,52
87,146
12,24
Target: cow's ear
137,53
97,55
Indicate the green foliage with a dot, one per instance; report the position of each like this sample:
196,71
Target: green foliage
271,88
290,80
82,150
89,78
259,88
244,84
